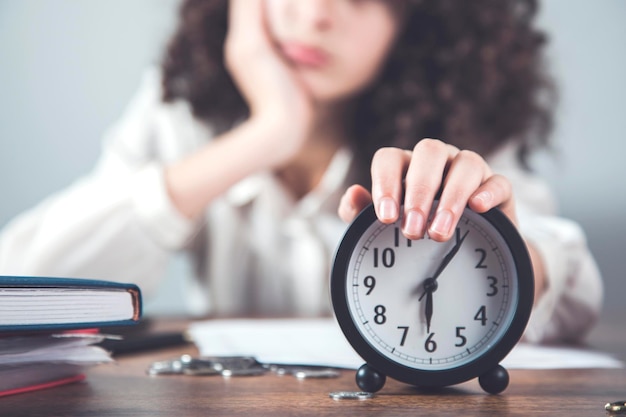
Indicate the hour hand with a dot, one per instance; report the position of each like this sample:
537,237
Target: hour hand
428,309
430,286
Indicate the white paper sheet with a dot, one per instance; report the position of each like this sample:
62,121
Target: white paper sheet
320,342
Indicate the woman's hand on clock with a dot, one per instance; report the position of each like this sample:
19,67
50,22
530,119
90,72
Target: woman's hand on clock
464,177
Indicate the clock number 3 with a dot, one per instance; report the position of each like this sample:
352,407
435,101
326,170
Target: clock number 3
493,285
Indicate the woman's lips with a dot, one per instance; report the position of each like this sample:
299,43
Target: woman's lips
305,55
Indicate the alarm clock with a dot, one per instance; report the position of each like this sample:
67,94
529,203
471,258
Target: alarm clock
428,313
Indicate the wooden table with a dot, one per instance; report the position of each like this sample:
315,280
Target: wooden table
124,389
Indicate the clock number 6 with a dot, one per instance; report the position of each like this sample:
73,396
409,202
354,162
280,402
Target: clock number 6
430,345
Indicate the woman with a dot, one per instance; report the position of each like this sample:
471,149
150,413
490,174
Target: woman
239,150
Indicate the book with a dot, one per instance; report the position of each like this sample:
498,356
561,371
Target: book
46,304
49,328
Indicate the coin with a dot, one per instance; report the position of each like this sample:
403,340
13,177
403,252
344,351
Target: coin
316,373
616,408
350,395
227,373
169,367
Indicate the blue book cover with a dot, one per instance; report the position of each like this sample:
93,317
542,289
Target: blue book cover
49,303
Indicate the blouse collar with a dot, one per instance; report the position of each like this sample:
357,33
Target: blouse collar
333,181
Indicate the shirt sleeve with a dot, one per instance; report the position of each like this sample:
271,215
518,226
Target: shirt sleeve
573,297
572,300
116,223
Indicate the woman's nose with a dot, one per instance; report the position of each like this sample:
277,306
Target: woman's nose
318,13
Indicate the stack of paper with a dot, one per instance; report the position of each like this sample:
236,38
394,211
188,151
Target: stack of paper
320,342
32,362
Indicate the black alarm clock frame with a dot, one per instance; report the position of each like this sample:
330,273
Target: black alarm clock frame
493,378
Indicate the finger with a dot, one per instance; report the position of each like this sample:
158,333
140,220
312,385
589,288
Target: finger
244,15
430,160
247,29
388,169
355,199
466,173
496,191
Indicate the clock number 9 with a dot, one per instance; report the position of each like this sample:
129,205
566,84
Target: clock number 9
370,283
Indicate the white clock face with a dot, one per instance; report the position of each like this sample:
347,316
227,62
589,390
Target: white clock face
424,321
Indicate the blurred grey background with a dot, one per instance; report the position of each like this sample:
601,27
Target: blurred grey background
68,68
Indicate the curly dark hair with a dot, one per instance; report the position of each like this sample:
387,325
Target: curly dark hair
468,72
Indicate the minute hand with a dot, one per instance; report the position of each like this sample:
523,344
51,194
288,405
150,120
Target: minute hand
446,259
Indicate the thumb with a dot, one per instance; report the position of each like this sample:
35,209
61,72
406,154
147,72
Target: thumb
354,200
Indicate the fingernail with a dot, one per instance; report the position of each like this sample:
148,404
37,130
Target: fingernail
387,209
485,198
442,223
413,223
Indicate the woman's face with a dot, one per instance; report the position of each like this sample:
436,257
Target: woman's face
335,46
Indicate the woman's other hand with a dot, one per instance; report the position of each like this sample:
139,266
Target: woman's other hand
277,99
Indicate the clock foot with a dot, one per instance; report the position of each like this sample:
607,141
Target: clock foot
495,381
369,379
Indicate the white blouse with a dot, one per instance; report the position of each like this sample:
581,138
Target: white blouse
257,250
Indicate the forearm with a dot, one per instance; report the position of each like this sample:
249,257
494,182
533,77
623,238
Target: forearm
195,181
